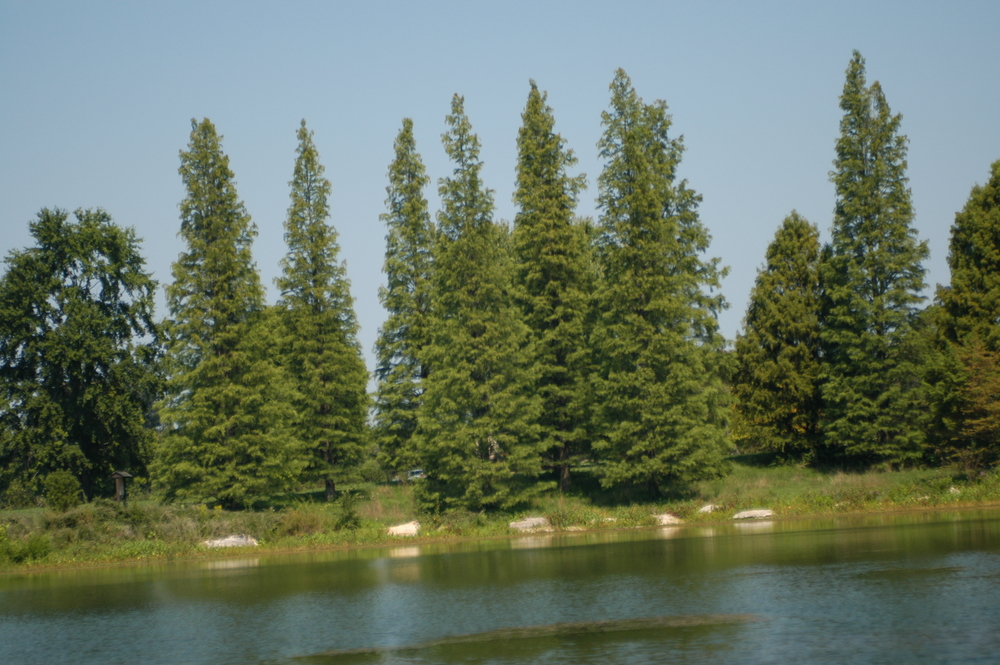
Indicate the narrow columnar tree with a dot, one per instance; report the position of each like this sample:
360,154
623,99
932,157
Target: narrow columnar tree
79,354
972,301
776,385
872,279
320,348
227,420
662,405
408,263
968,318
477,429
553,282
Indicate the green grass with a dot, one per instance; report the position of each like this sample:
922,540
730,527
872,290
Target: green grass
102,531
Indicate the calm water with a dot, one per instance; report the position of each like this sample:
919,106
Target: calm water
914,588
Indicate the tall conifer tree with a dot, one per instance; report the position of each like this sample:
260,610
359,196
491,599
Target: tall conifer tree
967,369
554,281
477,431
872,280
778,354
320,349
228,417
408,264
972,301
662,402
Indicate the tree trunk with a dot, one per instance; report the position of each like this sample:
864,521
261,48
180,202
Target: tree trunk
331,489
564,480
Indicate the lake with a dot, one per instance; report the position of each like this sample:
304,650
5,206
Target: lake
918,587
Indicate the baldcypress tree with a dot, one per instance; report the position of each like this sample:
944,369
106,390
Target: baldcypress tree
872,280
972,302
554,282
228,417
662,402
320,348
967,372
406,296
477,432
778,353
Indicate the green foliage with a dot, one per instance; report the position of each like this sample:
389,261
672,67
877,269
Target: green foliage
346,516
320,347
477,432
36,546
872,277
778,353
964,379
228,416
972,302
554,282
62,491
79,353
662,406
407,297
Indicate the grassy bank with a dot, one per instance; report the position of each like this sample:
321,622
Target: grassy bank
102,532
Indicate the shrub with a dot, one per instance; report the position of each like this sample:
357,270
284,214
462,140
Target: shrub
346,512
62,491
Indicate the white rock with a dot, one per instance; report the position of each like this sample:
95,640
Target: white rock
954,490
232,541
408,529
667,518
529,523
709,508
760,513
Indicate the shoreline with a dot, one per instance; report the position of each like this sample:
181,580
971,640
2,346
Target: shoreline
197,553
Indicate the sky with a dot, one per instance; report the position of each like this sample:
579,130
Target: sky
97,99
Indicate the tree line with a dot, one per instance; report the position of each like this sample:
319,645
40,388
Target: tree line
510,355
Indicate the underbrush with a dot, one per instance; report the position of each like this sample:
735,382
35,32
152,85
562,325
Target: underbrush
103,531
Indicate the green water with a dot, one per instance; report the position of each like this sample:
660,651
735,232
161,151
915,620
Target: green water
912,588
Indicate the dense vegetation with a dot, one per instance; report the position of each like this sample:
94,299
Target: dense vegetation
515,361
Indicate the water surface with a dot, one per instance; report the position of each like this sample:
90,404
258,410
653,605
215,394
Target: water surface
919,588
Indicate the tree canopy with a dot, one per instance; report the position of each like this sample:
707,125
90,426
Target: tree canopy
79,354
320,347
872,279
662,404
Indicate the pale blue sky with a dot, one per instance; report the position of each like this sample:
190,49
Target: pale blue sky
96,101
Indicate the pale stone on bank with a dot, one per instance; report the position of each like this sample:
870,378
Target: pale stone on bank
757,514
666,519
529,523
232,541
408,529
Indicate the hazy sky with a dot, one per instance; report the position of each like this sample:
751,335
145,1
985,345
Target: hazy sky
96,101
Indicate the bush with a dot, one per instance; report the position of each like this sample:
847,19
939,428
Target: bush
346,512
36,546
62,491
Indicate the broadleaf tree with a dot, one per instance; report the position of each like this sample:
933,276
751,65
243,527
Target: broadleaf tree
776,384
79,354
872,277
228,417
662,406
477,424
554,283
400,370
320,348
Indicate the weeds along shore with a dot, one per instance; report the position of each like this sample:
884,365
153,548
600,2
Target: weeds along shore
103,532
